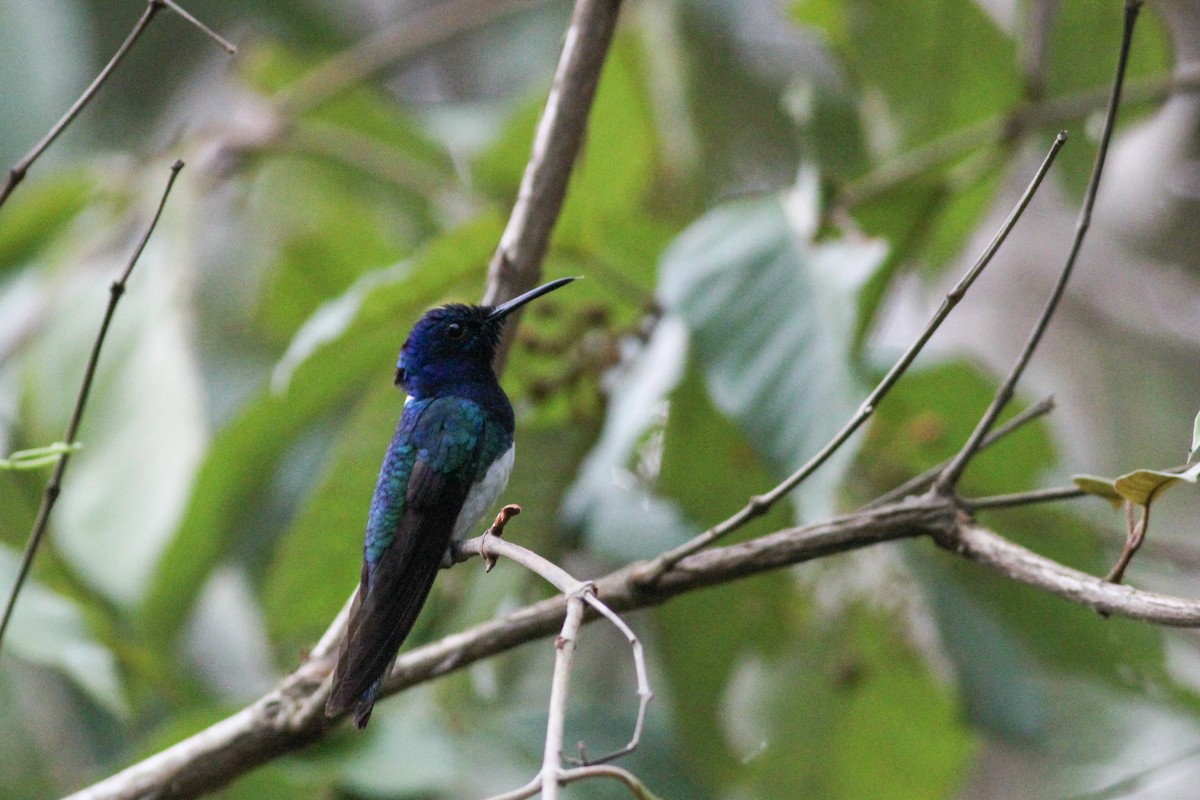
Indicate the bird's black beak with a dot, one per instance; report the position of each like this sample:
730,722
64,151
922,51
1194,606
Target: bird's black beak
504,309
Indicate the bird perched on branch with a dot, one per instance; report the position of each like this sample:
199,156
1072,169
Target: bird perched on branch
447,463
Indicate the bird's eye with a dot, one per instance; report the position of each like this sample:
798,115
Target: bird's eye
454,330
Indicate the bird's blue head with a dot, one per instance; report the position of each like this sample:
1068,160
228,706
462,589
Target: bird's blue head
455,344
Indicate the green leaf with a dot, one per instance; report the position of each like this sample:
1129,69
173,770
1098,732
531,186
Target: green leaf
697,433
329,230
365,108
50,630
772,319
826,711
719,628
1195,438
1100,487
326,537
1140,487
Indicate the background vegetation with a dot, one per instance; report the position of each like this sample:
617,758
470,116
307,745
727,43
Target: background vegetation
769,196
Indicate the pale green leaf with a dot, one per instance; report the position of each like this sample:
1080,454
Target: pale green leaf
1195,438
1143,486
1100,487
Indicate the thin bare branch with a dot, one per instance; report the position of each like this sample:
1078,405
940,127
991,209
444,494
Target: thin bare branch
578,593
54,487
645,694
221,41
762,503
625,777
564,657
1021,498
17,171
948,480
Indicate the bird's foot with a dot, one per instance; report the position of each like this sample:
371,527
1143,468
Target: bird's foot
454,554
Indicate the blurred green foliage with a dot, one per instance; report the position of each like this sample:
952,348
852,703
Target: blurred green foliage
719,340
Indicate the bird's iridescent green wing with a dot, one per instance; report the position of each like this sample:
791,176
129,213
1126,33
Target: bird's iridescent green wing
421,489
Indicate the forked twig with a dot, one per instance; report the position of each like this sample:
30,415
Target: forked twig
579,594
50,495
947,481
16,173
760,504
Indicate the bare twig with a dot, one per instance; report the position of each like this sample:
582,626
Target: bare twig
1015,562
221,41
762,503
948,480
516,265
50,495
628,779
1021,498
578,594
17,171
918,482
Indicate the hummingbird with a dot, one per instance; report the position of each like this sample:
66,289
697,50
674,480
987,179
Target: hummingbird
447,463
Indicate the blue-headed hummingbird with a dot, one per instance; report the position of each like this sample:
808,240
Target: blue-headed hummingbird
446,465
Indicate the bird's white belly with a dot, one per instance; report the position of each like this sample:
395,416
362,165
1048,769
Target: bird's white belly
483,495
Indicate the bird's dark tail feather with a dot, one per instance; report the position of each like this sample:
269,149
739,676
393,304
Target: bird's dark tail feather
362,709
335,706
